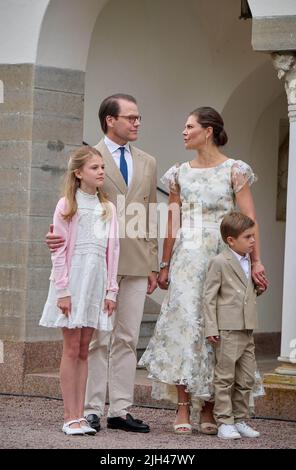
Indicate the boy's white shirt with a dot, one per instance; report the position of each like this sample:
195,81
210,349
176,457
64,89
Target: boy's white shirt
244,262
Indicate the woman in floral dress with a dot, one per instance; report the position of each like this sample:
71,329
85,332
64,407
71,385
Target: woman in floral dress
179,359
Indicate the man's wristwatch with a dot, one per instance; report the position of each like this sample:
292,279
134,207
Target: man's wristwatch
163,264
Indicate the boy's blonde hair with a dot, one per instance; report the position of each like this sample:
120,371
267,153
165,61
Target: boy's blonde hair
71,183
234,224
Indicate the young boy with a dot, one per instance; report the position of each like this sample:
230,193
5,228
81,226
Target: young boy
230,317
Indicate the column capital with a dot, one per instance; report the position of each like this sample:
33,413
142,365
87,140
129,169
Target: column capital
285,65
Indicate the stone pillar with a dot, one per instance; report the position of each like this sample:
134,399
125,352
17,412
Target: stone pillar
57,128
285,65
41,120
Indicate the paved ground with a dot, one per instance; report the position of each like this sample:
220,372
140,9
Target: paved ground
35,423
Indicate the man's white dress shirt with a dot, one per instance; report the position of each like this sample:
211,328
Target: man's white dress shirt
115,152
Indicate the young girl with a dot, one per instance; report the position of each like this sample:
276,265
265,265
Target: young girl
83,288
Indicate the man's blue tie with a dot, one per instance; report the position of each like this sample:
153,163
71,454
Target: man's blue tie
123,165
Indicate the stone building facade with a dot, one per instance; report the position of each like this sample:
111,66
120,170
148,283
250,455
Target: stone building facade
59,58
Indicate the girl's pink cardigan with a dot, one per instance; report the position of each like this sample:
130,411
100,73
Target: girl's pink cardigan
61,258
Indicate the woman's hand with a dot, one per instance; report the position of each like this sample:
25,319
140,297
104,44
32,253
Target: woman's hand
109,306
53,241
163,278
64,303
213,339
258,275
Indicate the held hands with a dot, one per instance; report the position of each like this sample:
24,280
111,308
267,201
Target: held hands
64,303
259,276
213,339
259,290
152,283
163,278
109,306
53,241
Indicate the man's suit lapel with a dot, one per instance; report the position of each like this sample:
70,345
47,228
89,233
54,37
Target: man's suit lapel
138,169
111,168
235,264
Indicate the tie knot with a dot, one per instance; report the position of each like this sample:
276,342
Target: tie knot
122,149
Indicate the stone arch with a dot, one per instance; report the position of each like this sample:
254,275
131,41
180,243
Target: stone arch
243,108
70,27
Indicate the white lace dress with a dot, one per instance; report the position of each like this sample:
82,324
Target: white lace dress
178,353
88,272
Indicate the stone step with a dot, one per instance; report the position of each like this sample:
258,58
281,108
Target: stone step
151,312
148,324
151,306
279,401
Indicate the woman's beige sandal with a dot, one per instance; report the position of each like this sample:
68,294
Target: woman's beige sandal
182,428
208,428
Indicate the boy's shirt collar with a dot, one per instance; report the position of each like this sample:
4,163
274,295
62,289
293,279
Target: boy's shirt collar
240,257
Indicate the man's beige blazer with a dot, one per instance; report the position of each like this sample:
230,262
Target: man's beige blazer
136,211
229,297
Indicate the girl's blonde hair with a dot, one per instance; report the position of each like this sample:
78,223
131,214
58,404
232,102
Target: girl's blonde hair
72,183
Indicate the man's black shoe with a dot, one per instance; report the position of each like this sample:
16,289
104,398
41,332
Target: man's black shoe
127,424
94,422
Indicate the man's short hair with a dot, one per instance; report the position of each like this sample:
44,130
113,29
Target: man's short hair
110,107
234,224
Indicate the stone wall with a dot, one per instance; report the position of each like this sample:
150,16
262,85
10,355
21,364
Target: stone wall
57,129
41,120
16,118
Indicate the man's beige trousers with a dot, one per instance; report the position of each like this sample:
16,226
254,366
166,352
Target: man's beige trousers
234,375
113,356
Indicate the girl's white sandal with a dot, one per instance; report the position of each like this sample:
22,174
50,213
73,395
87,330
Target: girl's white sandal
86,428
72,431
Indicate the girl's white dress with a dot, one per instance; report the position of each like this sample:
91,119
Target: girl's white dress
88,272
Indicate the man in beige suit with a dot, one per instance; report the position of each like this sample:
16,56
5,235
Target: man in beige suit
130,183
230,317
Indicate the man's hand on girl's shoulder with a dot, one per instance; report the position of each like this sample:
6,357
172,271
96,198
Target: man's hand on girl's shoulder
53,241
260,290
213,339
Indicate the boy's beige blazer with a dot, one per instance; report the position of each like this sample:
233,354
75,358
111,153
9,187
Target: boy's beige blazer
229,297
138,254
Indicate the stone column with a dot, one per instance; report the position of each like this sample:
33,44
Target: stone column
41,120
285,65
